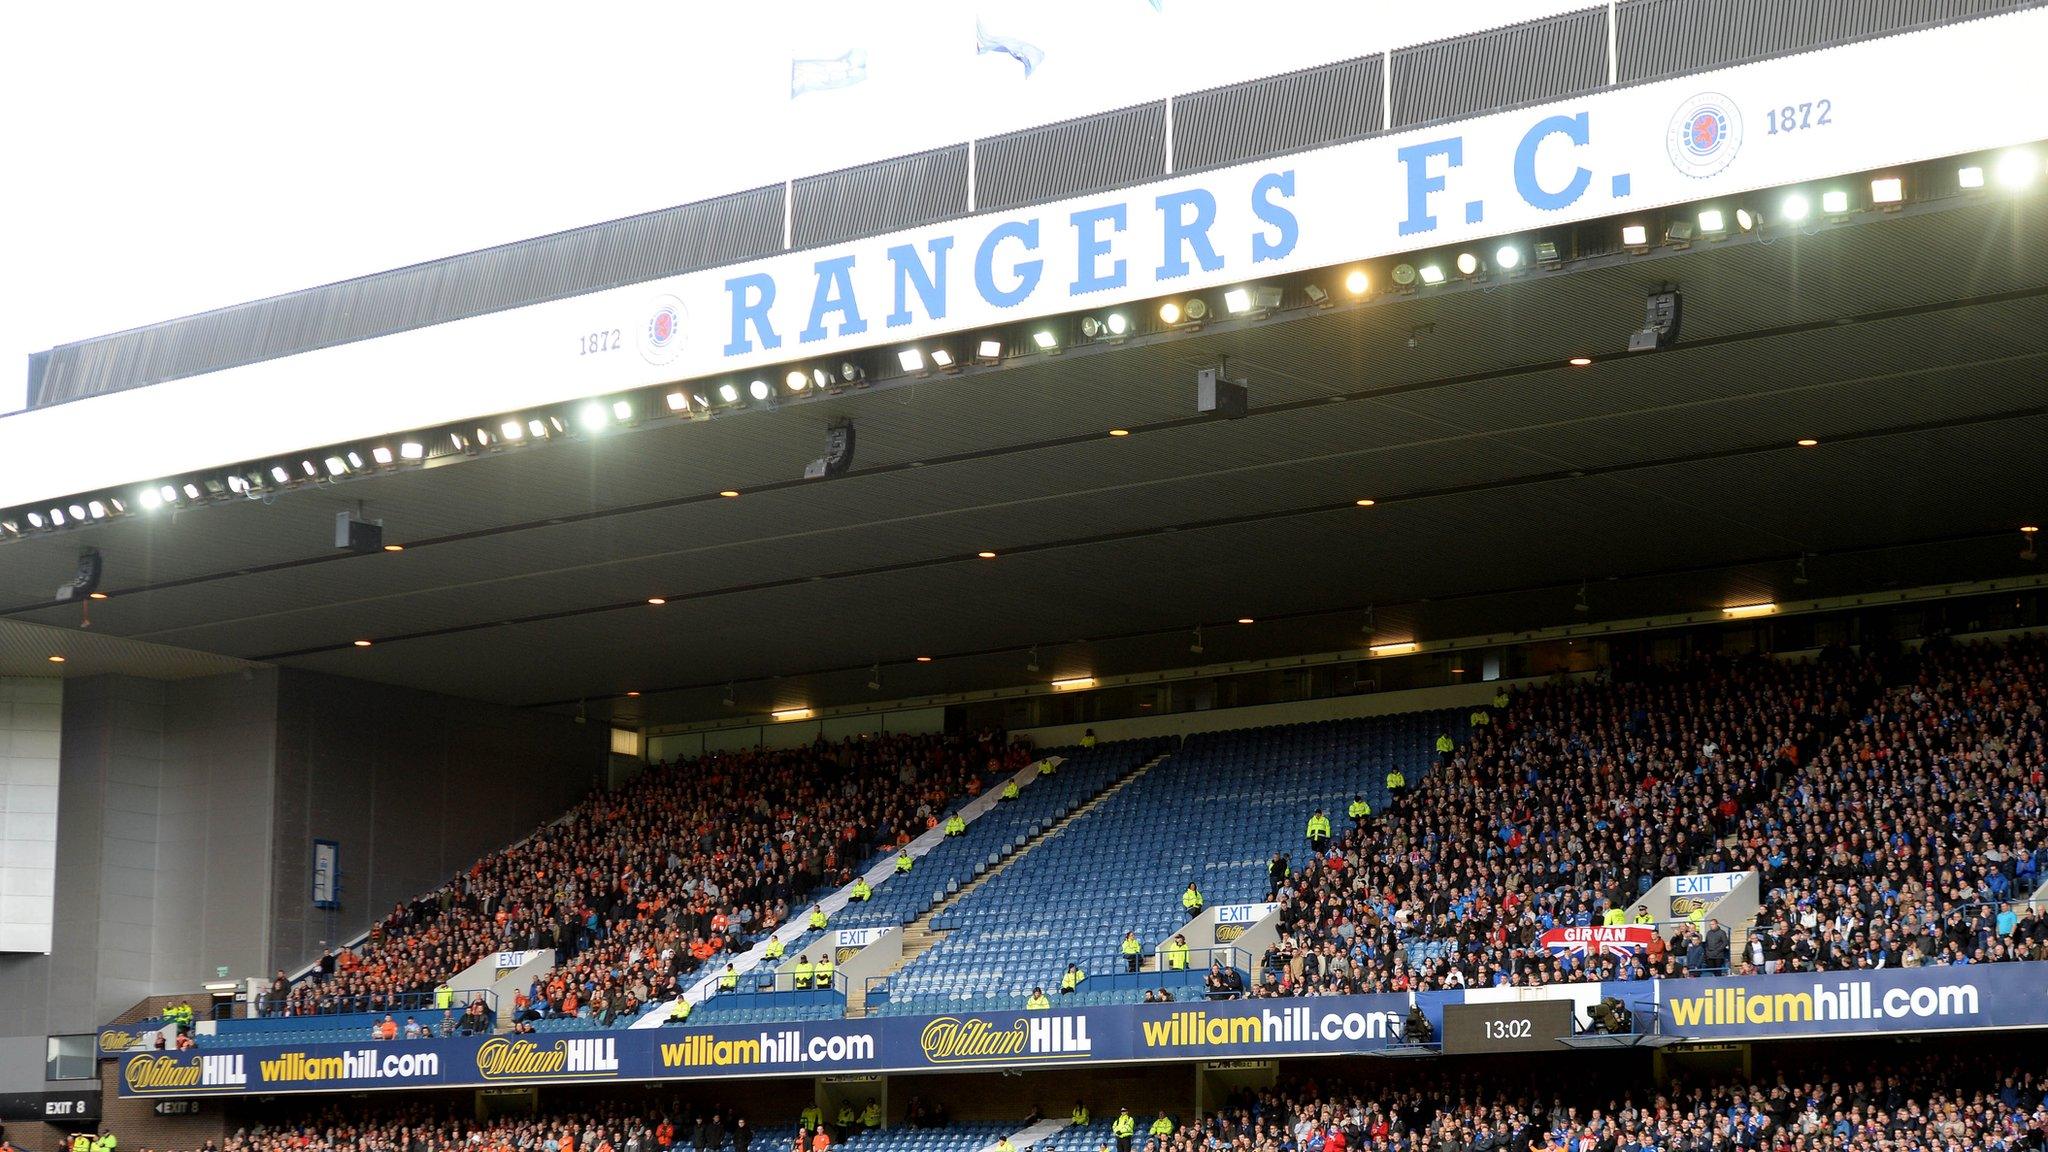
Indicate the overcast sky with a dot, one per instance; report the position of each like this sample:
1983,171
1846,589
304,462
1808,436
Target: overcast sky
165,159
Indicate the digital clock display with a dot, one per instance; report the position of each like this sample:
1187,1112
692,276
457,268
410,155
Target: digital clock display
1520,1026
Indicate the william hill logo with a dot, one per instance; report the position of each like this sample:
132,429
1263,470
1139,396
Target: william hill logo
502,1059
953,1039
114,1040
174,1073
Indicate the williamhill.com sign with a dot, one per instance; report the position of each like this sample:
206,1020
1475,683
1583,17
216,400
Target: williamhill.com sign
1886,1002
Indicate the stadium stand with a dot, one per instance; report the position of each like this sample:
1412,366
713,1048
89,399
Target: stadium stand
1951,1096
642,887
1215,812
1890,808
1082,774
1970,1102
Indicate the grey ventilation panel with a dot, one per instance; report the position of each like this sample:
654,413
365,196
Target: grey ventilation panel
1500,68
1107,150
876,198
743,226
1658,38
1259,118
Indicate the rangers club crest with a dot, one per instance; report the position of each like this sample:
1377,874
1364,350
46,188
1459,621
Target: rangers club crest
1705,134
661,340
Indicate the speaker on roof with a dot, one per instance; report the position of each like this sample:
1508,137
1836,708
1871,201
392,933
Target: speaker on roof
352,533
88,579
838,457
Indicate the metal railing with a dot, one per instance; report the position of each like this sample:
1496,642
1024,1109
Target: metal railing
378,1005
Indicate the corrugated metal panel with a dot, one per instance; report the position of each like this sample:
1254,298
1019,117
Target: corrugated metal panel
1072,158
701,235
872,198
1303,109
1656,38
1519,64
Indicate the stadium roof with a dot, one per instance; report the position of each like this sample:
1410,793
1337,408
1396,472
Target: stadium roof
1907,345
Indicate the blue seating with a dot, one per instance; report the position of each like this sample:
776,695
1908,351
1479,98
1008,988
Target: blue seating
952,1138
1213,812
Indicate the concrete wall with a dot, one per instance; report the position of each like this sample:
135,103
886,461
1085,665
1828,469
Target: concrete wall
31,725
414,786
161,852
1297,712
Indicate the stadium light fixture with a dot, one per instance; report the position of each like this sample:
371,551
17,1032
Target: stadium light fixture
942,359
1393,648
1887,190
412,450
729,392
2017,168
56,659
35,519
362,643
1318,295
1169,312
537,429
785,715
1404,275
911,359
149,499
1746,611
677,401
1834,202
989,350
191,491
1680,233
1713,222
1431,273
1469,264
1580,361
622,410
1046,341
1073,684
1507,258
1635,236
1356,282
657,601
381,454
1252,300
758,389
1970,176
1547,254
1747,220
1795,208
1246,620
336,466
279,474
97,509
592,417
512,430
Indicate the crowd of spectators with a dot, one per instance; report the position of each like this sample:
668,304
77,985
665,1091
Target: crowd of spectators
1569,802
641,887
609,1127
1915,836
1987,1104
1892,806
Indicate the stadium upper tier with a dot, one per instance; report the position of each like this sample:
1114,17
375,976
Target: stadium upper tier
1891,806
639,889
